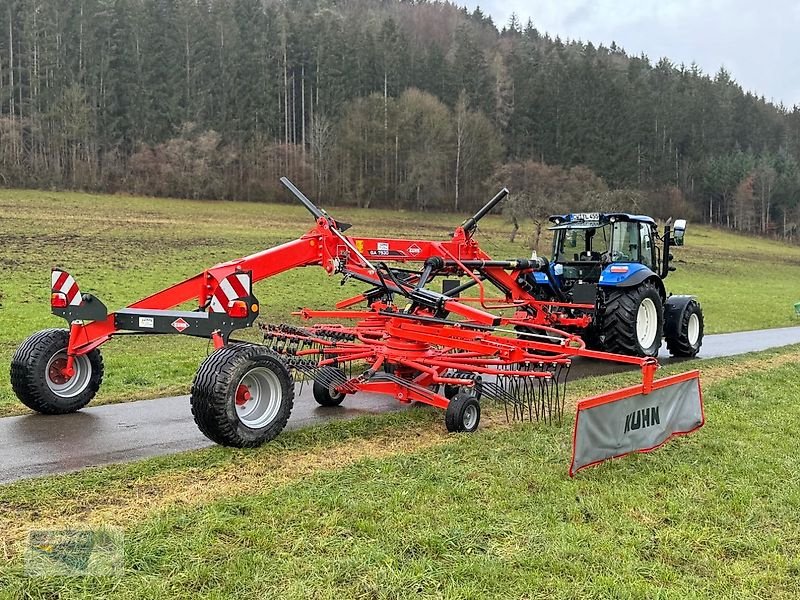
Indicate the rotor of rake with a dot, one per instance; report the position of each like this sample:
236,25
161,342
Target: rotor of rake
418,358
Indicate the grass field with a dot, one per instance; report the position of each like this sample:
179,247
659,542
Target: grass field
390,506
123,248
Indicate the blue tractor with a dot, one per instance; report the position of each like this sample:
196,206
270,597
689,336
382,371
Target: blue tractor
616,263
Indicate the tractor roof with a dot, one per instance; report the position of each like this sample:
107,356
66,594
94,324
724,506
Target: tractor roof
596,219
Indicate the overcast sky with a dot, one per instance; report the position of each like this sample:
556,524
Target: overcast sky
758,42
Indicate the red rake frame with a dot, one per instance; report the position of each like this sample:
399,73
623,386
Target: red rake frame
432,352
326,246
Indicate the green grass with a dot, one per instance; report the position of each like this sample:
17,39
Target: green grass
123,248
743,282
487,515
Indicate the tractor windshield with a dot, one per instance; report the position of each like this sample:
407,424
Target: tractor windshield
582,242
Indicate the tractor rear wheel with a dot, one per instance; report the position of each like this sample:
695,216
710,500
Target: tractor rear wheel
463,413
632,321
326,395
38,379
242,396
684,335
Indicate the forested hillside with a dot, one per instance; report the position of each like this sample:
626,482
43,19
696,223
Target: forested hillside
378,103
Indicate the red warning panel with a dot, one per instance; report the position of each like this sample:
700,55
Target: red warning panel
63,283
630,420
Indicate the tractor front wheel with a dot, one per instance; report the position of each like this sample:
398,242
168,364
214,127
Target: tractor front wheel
242,396
463,413
633,320
684,329
38,378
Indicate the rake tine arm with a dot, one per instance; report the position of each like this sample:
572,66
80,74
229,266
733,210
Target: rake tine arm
470,224
493,371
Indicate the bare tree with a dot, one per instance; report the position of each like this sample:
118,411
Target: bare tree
321,144
538,190
766,176
461,131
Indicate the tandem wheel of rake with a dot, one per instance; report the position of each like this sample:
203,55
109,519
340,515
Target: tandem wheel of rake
242,396
463,413
325,383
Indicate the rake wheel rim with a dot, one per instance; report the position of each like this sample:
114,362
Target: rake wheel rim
260,404
62,385
470,417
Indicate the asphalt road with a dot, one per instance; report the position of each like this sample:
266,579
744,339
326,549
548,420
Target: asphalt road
34,445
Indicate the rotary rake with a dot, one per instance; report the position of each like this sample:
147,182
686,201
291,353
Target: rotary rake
399,337
434,361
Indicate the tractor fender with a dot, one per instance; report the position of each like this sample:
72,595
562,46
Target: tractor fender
673,313
635,275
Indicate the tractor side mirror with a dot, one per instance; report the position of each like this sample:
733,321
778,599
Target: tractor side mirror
678,231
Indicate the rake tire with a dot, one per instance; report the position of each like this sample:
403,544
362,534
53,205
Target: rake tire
217,383
463,413
31,374
326,395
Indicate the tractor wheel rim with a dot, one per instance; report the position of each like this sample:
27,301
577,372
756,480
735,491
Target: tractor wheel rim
470,417
647,323
693,330
258,398
63,386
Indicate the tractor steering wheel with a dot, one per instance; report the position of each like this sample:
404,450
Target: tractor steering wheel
617,256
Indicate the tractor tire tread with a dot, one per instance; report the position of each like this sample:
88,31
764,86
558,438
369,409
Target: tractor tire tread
679,346
618,326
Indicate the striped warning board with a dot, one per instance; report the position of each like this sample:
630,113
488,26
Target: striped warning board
233,287
63,283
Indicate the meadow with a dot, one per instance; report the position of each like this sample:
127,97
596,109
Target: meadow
391,506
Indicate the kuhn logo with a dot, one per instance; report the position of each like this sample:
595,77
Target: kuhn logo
180,325
644,417
413,250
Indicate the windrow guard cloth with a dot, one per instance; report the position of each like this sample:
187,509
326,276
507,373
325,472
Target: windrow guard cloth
630,420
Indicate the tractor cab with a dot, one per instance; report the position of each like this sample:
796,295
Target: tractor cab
604,249
598,247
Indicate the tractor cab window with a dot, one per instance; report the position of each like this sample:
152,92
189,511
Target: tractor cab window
646,245
626,242
582,243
